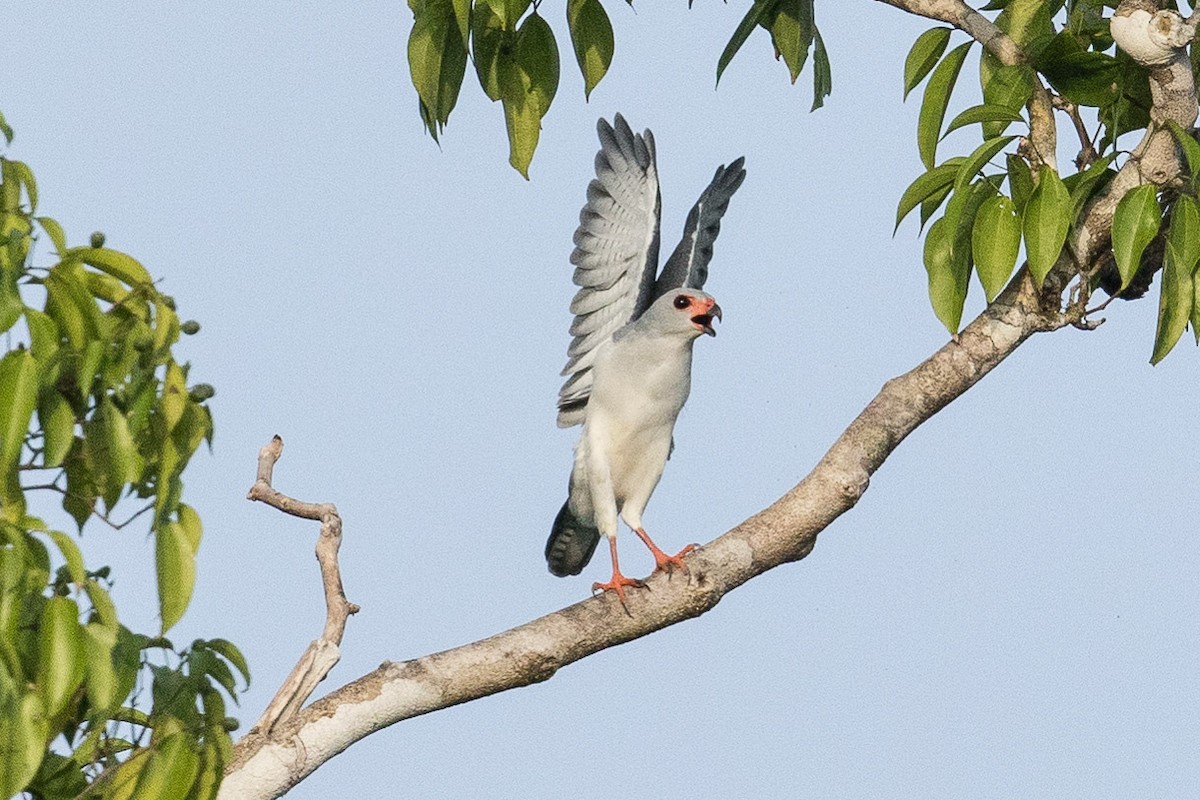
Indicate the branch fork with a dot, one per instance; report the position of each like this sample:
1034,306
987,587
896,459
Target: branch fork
322,653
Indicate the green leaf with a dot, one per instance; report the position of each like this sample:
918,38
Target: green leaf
462,13
25,177
489,41
189,521
524,127
232,654
1131,111
947,290
115,458
925,52
80,499
57,421
926,185
1191,149
55,232
24,744
65,314
995,242
822,73
18,397
931,204
121,266
1084,77
10,188
11,304
8,137
175,563
211,772
756,14
1083,185
527,88
1004,86
960,220
1028,22
102,604
98,643
170,770
979,159
89,365
166,324
437,60
71,555
592,39
936,99
1047,220
791,29
537,57
1174,303
1135,223
43,339
511,10
1184,233
1020,180
124,782
979,114
60,664
1195,316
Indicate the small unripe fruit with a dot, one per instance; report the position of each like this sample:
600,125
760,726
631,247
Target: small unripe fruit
201,392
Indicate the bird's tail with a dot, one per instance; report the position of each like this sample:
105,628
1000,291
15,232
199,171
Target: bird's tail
571,544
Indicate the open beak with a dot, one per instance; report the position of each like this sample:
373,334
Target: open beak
704,321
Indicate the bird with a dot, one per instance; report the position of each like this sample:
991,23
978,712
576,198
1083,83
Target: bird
629,365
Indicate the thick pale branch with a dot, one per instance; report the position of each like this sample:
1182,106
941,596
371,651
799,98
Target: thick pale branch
322,654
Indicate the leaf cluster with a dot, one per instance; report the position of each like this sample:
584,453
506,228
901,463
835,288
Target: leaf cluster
516,56
96,410
1003,198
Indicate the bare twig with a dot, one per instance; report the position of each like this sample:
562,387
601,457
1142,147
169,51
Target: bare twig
1087,151
323,653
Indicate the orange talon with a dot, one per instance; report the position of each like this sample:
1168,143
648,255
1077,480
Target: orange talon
662,561
618,584
619,581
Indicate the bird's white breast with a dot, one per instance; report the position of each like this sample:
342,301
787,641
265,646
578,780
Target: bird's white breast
641,384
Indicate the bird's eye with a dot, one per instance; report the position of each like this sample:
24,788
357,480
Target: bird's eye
682,301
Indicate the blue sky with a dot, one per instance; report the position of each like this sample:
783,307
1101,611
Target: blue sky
1011,609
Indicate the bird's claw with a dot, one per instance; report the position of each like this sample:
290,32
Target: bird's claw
618,584
667,564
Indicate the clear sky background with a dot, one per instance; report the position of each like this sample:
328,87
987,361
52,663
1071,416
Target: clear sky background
1012,610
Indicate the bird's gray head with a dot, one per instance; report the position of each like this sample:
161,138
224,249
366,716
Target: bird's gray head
683,311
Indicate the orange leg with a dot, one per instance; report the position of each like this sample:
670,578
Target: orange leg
619,581
662,561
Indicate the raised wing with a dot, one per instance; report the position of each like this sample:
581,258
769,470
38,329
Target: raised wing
615,256
688,265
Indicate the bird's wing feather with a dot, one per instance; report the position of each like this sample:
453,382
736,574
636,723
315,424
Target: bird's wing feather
615,256
688,265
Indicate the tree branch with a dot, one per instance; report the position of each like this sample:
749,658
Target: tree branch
323,653
268,763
